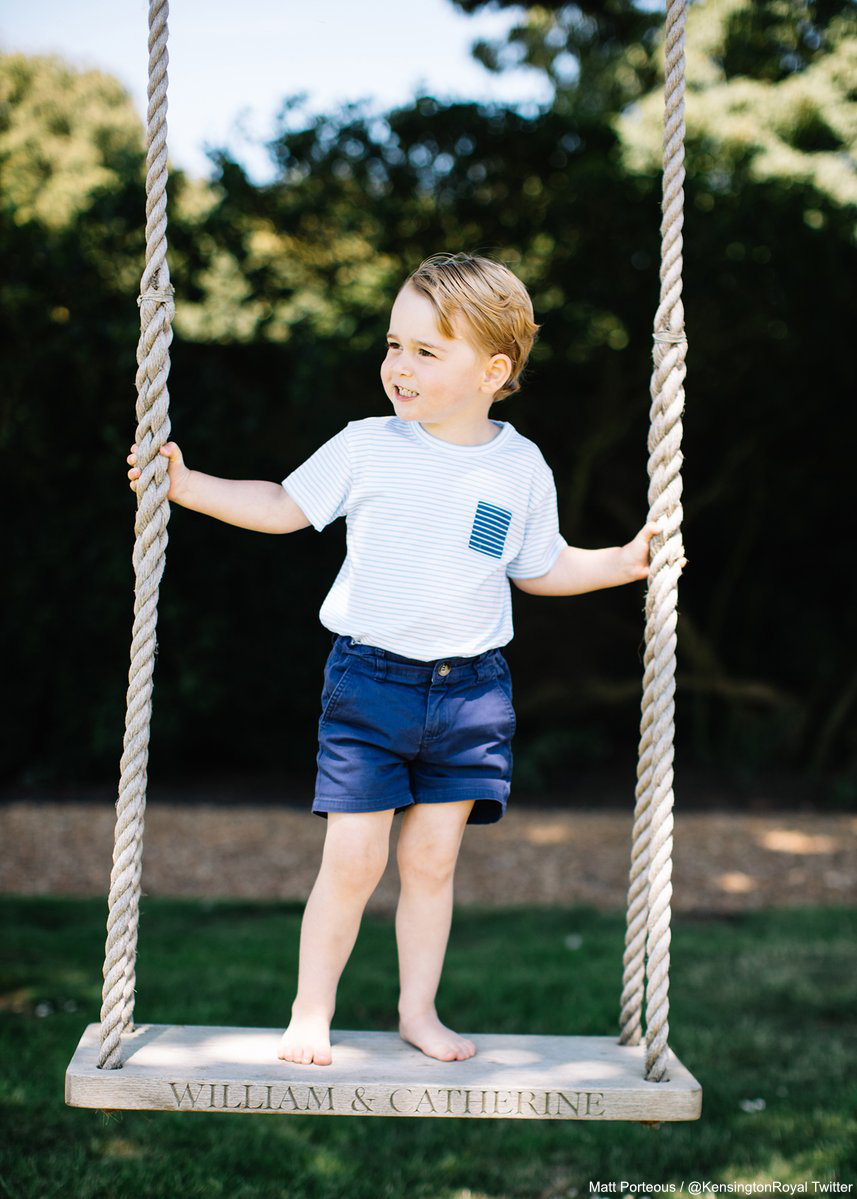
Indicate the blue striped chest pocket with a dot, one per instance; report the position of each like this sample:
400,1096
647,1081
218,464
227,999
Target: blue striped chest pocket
490,526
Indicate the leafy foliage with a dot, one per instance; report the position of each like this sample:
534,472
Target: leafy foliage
283,293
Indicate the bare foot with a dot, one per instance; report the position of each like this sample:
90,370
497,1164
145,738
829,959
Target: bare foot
307,1041
435,1039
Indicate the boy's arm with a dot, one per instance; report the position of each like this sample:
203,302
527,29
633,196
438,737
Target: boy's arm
577,571
248,503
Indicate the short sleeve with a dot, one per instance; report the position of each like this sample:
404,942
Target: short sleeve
543,542
321,486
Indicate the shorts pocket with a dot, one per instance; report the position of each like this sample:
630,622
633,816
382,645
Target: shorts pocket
503,683
335,677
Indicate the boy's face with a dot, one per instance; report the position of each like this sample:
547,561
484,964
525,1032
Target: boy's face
454,381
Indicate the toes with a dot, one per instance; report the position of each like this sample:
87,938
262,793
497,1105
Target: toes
304,1055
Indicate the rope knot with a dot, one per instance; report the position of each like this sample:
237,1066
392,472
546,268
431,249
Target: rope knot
670,337
158,295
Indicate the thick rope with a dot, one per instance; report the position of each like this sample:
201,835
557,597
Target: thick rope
650,889
153,512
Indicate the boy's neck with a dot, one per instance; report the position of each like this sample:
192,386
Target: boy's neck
480,433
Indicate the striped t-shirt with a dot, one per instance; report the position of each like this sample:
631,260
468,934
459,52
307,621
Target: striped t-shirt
434,532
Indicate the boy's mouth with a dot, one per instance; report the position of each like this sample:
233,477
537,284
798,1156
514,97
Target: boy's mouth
407,394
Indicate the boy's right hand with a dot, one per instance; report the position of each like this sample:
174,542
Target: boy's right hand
177,469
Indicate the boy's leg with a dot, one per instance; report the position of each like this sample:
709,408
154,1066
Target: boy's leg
427,851
356,847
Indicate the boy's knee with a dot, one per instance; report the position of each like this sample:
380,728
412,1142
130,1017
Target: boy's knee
428,862
355,857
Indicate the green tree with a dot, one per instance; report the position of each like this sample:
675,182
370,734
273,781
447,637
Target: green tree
770,96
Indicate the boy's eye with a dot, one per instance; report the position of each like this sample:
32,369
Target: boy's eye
394,345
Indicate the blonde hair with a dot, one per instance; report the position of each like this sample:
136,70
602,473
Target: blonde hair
492,301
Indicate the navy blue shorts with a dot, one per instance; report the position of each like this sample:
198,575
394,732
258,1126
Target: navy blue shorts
395,731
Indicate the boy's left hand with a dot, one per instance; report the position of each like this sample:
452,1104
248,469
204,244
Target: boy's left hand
636,553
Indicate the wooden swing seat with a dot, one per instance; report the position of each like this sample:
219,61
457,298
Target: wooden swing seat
199,1068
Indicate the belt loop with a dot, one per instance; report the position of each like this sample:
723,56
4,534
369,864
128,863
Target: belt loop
485,667
380,664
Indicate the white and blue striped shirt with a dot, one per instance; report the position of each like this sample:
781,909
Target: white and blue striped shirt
434,532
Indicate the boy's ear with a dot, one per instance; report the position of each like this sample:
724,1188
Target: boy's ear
498,371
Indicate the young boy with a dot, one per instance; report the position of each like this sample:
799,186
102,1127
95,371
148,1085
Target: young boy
443,505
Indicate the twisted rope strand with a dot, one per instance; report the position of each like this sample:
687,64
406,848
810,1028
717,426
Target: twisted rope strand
647,938
149,556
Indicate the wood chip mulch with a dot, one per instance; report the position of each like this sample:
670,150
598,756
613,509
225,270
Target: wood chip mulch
724,862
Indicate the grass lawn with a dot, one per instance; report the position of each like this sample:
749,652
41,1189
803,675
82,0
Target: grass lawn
762,1013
